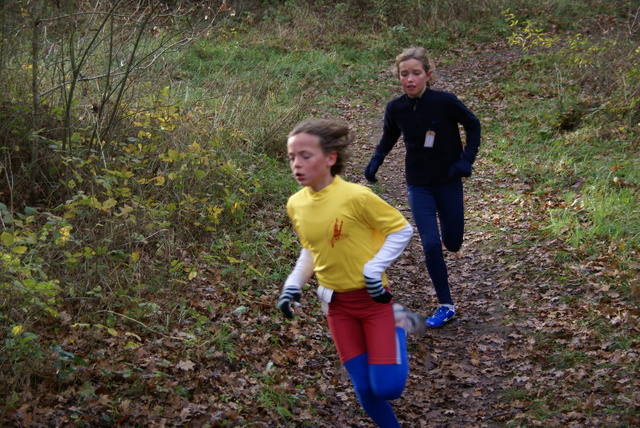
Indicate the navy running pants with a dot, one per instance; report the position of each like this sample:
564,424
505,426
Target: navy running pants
432,206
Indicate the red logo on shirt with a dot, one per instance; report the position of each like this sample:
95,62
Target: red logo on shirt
337,232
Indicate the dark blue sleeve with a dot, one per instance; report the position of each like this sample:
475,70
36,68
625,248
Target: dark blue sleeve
472,130
390,133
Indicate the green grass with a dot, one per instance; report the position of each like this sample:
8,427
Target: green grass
562,145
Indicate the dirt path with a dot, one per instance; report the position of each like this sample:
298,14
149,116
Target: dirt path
459,373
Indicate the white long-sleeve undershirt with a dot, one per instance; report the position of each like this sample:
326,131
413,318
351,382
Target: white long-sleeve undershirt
394,245
302,271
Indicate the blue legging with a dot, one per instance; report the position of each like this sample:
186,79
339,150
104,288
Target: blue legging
376,384
429,205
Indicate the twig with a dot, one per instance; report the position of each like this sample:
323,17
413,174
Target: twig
141,323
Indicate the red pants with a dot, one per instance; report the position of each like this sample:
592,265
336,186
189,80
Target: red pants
358,324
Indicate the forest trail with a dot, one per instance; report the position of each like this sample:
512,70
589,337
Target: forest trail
458,373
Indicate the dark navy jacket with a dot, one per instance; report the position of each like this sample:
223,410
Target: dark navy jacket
440,112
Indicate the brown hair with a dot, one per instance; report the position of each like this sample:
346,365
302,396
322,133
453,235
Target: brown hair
414,52
334,136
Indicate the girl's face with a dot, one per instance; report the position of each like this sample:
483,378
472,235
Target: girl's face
413,77
309,164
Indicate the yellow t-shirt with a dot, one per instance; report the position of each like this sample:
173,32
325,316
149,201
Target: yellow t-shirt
343,225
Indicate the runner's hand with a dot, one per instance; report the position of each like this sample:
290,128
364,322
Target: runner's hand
462,168
377,291
290,295
372,168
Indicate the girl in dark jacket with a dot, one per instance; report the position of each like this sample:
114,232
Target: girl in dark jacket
436,161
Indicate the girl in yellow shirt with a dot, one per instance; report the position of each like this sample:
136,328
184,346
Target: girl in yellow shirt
349,236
